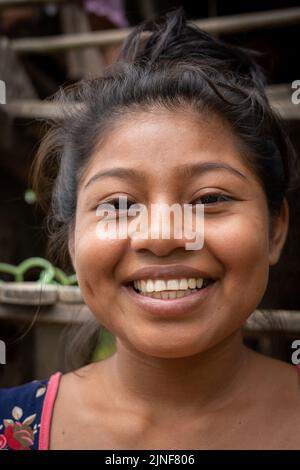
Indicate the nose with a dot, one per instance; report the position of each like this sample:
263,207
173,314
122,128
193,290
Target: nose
164,228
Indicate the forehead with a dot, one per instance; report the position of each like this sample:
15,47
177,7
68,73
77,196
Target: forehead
164,140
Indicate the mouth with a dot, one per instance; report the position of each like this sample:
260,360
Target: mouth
169,290
170,302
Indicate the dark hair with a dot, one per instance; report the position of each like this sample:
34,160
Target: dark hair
168,63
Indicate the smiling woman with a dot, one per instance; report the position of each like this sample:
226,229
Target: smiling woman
181,118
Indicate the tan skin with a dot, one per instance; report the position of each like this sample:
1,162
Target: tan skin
189,382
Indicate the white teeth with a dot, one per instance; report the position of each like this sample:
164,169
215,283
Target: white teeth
160,285
180,293
172,295
173,284
149,286
183,284
192,283
168,294
156,295
168,289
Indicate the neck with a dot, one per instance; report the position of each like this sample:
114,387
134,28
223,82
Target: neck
161,384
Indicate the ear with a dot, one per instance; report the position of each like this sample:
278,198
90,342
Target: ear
278,233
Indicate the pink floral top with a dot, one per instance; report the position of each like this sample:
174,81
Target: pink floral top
26,413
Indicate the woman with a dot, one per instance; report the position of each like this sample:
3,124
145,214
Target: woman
182,118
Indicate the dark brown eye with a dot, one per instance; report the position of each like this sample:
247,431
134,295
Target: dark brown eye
210,199
120,203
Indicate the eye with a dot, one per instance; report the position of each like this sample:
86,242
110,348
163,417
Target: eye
213,199
120,201
119,205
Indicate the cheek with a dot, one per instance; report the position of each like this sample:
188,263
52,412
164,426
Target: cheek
240,243
95,264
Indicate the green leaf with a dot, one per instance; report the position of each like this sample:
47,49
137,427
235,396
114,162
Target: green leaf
106,346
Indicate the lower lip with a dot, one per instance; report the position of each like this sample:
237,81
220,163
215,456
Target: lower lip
171,307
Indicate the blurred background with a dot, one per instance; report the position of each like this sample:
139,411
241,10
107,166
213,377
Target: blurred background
46,44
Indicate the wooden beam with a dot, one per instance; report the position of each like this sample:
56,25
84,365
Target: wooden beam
280,97
281,321
21,3
53,44
32,109
218,25
250,21
81,63
15,144
60,313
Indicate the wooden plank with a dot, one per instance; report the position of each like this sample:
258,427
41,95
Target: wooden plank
14,144
81,63
219,25
68,41
273,321
60,313
22,3
12,72
28,293
279,95
32,109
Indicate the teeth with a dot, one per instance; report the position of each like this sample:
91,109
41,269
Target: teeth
180,293
173,284
159,286
169,289
169,294
149,286
156,295
192,283
183,284
172,295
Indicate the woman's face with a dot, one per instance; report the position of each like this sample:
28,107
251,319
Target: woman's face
151,149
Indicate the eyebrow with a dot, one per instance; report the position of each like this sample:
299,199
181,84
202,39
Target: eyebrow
188,170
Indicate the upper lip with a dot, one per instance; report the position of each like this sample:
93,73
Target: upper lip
174,271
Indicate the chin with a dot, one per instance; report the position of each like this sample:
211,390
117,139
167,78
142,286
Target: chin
169,349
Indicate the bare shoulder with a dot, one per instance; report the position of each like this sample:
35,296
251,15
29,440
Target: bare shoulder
81,382
79,394
278,389
276,377
283,377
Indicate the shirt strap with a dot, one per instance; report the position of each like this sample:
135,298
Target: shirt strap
47,410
